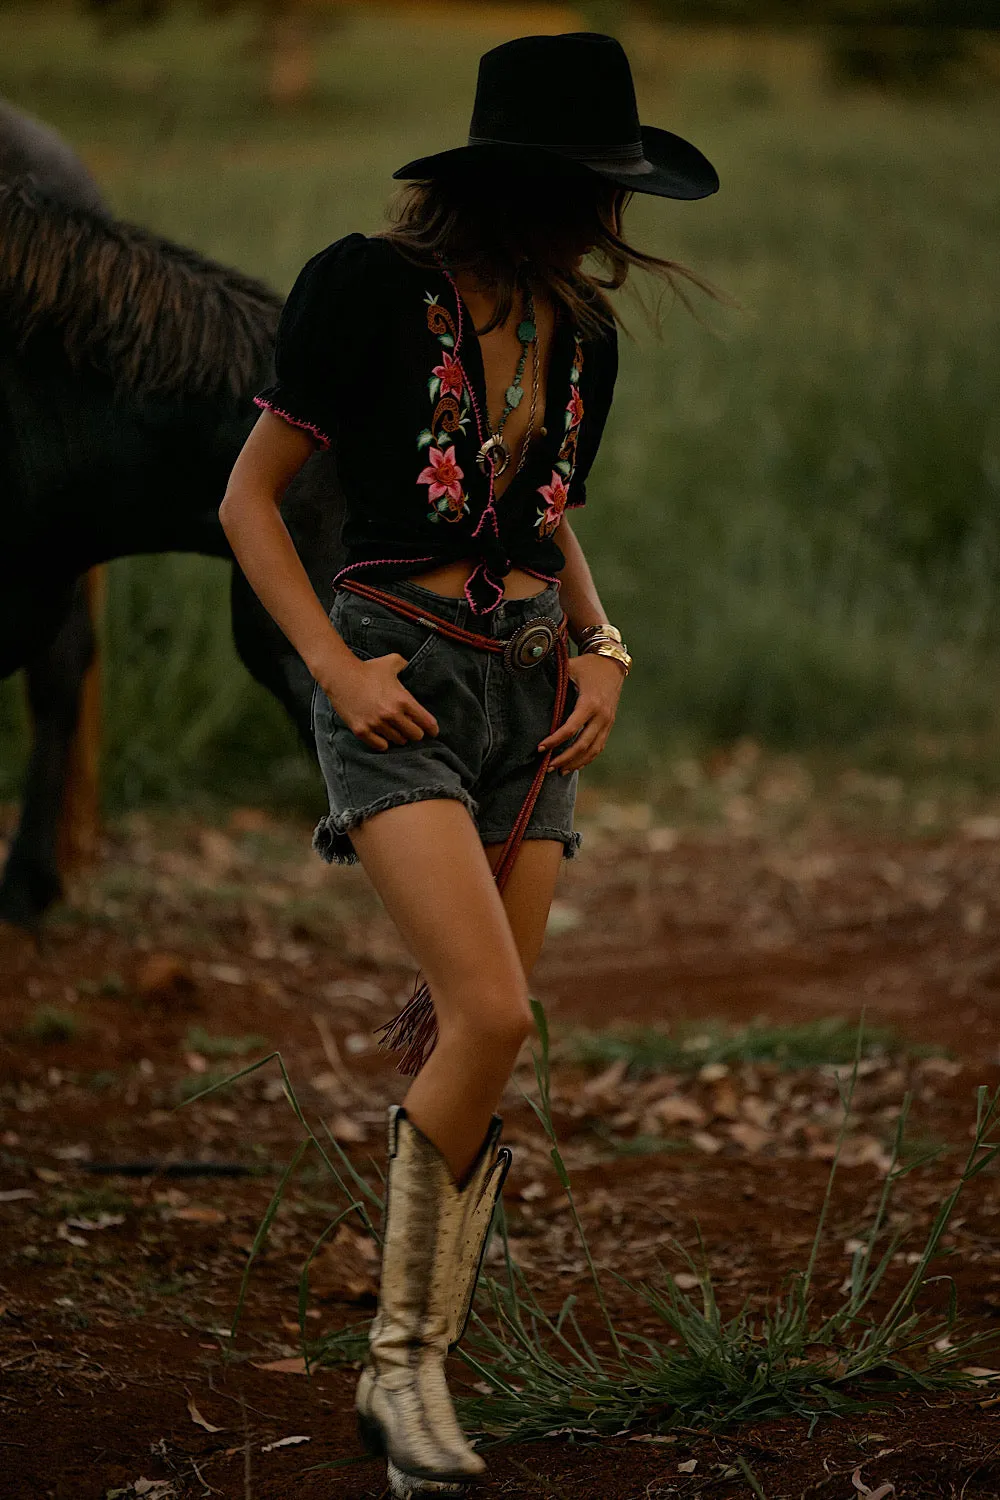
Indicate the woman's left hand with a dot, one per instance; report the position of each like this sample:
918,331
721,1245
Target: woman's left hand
598,682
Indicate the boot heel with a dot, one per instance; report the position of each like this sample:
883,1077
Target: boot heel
404,1486
371,1435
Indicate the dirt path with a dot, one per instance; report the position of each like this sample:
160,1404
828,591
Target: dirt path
191,941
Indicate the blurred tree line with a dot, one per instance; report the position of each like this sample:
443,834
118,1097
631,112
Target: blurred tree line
886,43
961,14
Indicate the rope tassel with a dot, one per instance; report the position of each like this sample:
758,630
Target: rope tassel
414,1032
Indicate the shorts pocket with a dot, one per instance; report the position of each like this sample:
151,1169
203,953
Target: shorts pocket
373,630
418,659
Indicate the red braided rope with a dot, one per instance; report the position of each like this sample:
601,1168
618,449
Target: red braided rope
414,1030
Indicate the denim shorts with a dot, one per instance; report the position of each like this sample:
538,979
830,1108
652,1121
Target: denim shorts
490,723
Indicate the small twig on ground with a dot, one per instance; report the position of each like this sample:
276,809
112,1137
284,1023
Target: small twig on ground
208,1488
332,1054
540,1486
241,1401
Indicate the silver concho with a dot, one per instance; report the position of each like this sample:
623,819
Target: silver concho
494,454
529,646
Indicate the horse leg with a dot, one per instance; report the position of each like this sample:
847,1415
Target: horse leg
54,679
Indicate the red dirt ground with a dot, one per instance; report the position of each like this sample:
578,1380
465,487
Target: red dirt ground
115,1290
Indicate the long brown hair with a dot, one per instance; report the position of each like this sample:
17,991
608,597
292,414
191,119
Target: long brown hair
508,227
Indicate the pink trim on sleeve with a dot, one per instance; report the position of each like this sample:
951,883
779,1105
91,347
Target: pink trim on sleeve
286,416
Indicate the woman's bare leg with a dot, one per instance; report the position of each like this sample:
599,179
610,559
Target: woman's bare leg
434,878
528,893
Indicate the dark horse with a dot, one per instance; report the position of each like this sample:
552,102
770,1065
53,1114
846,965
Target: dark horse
127,364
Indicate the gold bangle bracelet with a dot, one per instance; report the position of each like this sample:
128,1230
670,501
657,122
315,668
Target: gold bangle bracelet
611,649
591,632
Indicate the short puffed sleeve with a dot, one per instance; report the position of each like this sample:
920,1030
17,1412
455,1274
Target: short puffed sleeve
316,339
601,366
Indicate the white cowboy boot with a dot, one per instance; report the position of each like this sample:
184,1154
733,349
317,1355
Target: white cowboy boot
434,1237
482,1189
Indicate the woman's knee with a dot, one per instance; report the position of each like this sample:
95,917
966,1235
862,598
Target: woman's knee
494,1020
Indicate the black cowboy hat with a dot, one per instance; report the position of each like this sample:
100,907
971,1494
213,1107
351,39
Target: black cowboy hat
568,103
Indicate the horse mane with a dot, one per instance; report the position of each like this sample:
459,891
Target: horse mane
159,319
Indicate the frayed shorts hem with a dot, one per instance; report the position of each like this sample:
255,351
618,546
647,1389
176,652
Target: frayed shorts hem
570,841
331,841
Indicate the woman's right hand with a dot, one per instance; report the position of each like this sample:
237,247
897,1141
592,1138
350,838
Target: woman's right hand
375,705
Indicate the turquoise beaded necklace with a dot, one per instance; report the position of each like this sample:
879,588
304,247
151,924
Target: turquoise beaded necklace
494,455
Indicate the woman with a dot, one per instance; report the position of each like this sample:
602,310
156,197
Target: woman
461,366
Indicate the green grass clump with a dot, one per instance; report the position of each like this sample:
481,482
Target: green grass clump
705,1370
49,1024
795,1358
199,1040
686,1048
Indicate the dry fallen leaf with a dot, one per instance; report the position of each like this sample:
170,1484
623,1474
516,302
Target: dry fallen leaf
688,1467
284,1443
883,1492
14,1195
195,1215
164,977
725,1101
103,1221
686,1281
294,1366
706,1142
226,973
607,1084
348,1131
759,1112
750,1137
344,1270
676,1110
197,1417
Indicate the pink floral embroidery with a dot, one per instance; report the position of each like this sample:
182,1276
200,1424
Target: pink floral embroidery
555,494
444,478
451,411
450,375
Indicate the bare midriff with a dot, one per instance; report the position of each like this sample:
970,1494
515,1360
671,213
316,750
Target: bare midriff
449,580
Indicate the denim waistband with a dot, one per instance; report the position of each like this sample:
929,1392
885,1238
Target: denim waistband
508,616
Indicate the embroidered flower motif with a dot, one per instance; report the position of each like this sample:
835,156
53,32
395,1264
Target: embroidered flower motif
555,494
450,377
449,391
444,480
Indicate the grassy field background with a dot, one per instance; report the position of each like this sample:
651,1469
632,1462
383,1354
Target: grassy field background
795,513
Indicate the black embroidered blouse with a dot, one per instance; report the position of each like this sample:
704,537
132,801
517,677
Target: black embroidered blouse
379,360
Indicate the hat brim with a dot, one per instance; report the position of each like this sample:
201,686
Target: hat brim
670,168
